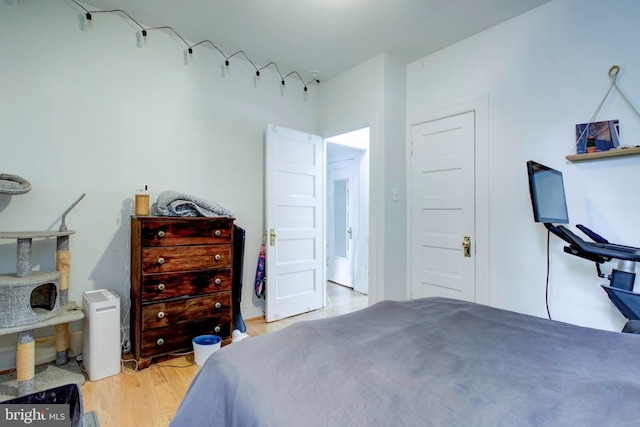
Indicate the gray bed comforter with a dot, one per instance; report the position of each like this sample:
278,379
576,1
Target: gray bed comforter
426,362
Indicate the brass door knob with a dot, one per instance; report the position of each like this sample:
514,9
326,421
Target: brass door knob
466,246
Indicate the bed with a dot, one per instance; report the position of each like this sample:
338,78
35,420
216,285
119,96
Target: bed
424,362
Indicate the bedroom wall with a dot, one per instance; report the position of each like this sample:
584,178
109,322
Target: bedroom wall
91,112
373,93
544,72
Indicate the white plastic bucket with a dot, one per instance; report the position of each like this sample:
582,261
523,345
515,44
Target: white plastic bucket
204,346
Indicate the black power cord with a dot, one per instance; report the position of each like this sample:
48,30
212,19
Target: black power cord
546,291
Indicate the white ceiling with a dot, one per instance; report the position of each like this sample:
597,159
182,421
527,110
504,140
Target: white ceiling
329,36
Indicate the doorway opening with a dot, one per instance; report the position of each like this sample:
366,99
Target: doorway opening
347,215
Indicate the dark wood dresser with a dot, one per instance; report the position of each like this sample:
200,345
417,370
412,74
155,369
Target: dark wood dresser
181,278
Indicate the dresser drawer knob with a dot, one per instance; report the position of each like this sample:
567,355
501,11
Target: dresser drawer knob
160,341
217,329
217,233
218,257
160,234
161,287
160,260
218,281
161,315
218,304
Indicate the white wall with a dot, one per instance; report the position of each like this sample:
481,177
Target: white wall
544,72
90,112
373,93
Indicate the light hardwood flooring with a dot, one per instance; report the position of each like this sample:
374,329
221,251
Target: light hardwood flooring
150,397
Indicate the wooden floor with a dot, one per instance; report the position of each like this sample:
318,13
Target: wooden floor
150,397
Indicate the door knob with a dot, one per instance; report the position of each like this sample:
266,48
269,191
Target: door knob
466,246
272,234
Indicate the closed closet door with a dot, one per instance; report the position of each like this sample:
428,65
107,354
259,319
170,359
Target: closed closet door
443,208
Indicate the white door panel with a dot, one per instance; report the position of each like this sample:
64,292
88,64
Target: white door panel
294,219
443,207
441,227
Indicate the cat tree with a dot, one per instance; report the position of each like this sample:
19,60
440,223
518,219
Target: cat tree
31,300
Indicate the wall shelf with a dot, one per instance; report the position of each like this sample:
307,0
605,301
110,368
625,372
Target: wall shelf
604,154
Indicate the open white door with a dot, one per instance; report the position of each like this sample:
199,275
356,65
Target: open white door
295,222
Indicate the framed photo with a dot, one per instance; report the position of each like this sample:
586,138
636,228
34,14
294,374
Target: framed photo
602,135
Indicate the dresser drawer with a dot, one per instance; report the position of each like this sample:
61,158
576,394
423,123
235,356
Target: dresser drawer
166,286
185,258
165,313
178,337
163,232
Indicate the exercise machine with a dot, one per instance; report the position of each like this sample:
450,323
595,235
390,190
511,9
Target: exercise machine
549,204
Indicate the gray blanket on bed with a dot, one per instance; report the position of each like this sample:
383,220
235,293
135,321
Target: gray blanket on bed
426,362
174,203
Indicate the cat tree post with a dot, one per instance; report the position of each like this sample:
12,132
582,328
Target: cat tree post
63,266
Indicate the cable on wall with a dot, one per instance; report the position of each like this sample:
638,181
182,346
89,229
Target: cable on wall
144,31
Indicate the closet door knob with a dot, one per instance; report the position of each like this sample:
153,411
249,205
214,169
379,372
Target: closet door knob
160,260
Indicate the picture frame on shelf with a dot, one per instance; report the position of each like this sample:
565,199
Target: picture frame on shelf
597,136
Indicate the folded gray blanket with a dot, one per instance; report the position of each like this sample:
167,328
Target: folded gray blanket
173,203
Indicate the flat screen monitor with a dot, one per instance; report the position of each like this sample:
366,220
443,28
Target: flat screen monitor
547,194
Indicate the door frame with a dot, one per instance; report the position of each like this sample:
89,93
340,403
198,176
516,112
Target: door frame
480,106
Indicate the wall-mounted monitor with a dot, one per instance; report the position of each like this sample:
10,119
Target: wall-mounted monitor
547,194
